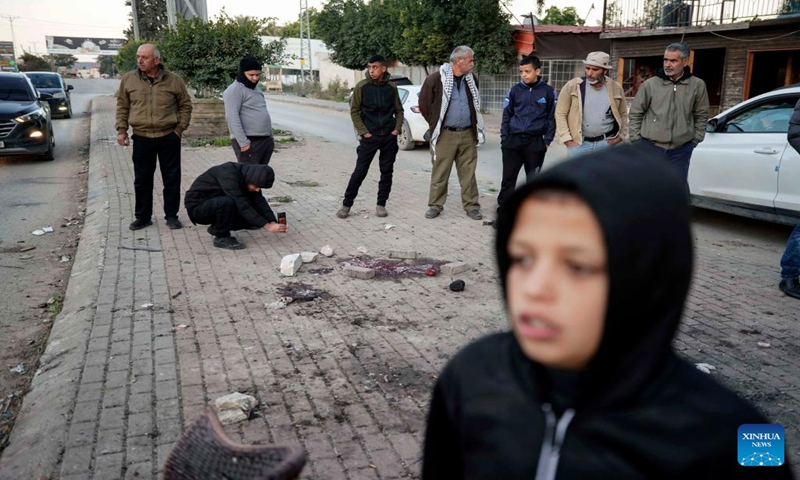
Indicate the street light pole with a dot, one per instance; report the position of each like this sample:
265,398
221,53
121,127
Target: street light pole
11,19
135,20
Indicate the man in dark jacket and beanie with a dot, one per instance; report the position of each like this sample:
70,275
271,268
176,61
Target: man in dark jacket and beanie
377,115
154,102
228,197
246,112
790,261
595,261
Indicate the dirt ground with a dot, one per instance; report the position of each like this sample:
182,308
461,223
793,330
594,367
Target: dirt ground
35,281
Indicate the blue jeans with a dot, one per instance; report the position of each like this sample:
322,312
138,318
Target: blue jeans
790,261
586,147
678,157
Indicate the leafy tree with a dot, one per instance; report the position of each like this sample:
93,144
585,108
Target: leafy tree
483,26
292,29
32,63
613,14
265,26
207,54
106,64
416,32
152,15
125,60
61,60
568,16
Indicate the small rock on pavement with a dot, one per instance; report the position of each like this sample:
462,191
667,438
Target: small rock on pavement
19,369
405,254
234,408
454,268
359,272
327,250
308,257
291,264
362,250
458,286
764,344
705,367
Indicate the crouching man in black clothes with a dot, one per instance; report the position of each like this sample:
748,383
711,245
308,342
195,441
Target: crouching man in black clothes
228,197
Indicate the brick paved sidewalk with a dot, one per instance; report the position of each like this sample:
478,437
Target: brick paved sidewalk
347,376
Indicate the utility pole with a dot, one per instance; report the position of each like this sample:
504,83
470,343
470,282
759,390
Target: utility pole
305,43
11,19
135,20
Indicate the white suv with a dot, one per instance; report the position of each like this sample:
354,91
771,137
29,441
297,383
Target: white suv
745,165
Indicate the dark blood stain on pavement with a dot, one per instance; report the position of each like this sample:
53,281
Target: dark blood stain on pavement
301,292
385,268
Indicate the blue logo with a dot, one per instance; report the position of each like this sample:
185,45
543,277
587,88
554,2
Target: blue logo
541,100
761,445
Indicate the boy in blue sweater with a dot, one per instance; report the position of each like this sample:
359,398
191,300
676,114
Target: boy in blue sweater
529,125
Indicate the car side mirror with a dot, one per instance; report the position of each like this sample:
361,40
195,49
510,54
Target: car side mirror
711,125
70,87
45,96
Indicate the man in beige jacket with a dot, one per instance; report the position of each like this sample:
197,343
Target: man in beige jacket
592,117
154,102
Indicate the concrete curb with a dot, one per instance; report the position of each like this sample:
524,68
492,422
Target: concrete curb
40,434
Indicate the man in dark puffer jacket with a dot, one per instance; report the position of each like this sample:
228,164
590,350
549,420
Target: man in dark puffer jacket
228,197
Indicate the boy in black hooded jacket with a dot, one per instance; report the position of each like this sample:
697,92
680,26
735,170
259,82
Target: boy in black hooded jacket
228,197
595,258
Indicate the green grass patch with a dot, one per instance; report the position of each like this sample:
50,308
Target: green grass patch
285,140
491,189
57,305
278,131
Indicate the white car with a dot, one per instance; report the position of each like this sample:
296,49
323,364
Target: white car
745,165
414,125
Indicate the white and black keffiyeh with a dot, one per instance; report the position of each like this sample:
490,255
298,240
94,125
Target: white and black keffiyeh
446,70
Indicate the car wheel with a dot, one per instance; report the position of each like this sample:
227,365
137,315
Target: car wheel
49,155
405,141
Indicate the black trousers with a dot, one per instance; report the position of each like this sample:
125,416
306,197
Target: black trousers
167,150
519,151
220,212
365,152
260,151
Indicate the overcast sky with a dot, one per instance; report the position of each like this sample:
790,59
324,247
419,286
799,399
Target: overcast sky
108,18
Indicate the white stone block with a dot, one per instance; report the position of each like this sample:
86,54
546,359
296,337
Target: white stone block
291,264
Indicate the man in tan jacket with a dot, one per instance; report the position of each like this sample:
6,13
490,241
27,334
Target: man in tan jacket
154,102
592,117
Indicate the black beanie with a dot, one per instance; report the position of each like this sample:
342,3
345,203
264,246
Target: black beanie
249,63
259,175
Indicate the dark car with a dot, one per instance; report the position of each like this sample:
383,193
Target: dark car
52,83
25,126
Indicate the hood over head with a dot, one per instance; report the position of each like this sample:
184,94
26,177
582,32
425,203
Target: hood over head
641,205
259,175
247,64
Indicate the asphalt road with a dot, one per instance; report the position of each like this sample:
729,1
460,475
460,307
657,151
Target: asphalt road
335,126
34,194
739,236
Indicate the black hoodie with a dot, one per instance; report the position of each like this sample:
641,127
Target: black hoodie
637,411
231,179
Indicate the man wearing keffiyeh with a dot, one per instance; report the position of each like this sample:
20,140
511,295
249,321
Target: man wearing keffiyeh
450,102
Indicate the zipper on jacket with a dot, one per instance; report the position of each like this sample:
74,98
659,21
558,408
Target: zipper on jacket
555,431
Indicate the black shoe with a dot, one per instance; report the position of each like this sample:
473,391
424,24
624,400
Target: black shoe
432,213
791,287
173,223
230,243
475,214
140,223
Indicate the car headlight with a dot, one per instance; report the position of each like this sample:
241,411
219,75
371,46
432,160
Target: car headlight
29,117
59,95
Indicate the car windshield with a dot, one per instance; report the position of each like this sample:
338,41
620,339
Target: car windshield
44,80
14,89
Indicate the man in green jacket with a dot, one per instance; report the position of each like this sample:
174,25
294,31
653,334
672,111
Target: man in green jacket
668,116
154,102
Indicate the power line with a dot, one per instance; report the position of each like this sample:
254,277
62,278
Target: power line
106,27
